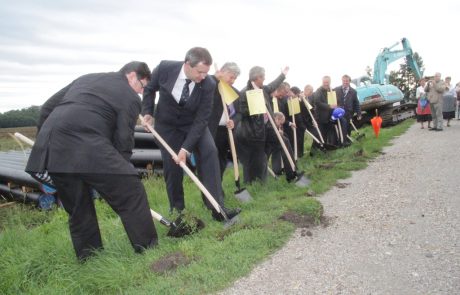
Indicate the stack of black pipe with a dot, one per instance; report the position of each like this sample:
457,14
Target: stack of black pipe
13,178
146,158
146,154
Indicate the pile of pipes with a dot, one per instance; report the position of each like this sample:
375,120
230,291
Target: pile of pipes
18,185
146,154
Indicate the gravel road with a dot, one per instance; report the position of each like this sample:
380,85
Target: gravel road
394,229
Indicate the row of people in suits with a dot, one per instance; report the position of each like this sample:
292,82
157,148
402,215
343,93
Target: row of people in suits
86,136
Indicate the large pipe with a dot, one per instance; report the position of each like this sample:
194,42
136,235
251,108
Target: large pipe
145,156
18,194
144,141
18,177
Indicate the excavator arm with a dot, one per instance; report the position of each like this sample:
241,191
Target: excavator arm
388,56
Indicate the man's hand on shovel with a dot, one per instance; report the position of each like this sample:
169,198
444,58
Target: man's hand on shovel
230,124
181,157
148,120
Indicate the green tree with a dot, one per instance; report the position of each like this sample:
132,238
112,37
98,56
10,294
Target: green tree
20,118
405,78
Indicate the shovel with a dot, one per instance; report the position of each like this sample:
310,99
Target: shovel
302,181
294,131
339,126
179,227
360,135
241,194
207,194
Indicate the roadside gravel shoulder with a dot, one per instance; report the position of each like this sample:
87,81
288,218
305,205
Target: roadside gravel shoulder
394,229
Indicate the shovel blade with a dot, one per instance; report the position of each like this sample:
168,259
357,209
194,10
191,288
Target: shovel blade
231,221
303,182
330,147
243,195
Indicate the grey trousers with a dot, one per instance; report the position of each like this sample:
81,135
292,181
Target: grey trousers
436,114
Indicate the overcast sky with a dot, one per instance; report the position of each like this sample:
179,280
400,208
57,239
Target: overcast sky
44,45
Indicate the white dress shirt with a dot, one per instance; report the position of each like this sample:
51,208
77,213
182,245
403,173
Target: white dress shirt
180,82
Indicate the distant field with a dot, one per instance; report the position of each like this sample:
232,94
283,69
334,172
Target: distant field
8,143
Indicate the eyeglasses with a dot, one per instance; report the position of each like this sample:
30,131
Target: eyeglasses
142,84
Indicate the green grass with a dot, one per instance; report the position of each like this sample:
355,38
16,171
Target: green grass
8,143
36,254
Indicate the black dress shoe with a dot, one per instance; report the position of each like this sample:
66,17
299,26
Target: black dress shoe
438,129
296,176
432,129
229,212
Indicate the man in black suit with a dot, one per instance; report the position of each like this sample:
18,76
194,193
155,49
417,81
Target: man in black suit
300,121
347,98
85,140
323,110
218,124
181,118
251,131
279,104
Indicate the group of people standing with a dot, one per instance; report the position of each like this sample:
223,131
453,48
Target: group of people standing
86,136
437,100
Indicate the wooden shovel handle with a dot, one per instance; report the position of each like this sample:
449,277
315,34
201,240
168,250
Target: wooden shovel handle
291,162
232,142
186,169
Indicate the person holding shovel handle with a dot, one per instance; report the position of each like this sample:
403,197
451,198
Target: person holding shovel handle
181,119
85,140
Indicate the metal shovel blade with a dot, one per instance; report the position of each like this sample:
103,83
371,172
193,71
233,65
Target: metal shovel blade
243,195
302,181
232,221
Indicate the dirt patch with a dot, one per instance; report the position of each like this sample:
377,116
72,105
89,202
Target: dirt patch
299,220
305,221
342,184
359,153
325,165
170,262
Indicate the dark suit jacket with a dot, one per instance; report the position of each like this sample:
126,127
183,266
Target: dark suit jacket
192,118
88,127
218,109
323,110
350,103
252,128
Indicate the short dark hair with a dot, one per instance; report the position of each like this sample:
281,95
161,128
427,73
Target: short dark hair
198,54
295,90
140,68
346,77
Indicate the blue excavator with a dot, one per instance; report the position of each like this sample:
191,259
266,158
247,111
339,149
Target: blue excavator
377,94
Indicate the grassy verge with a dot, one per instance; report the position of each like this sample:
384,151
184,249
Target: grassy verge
36,255
8,143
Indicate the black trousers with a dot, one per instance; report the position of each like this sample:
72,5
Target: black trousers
273,148
252,156
223,147
300,132
124,193
207,165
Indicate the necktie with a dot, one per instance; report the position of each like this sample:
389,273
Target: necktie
345,92
185,93
231,110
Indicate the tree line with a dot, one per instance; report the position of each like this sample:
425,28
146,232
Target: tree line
20,118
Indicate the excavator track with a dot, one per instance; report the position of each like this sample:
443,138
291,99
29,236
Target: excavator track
391,115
